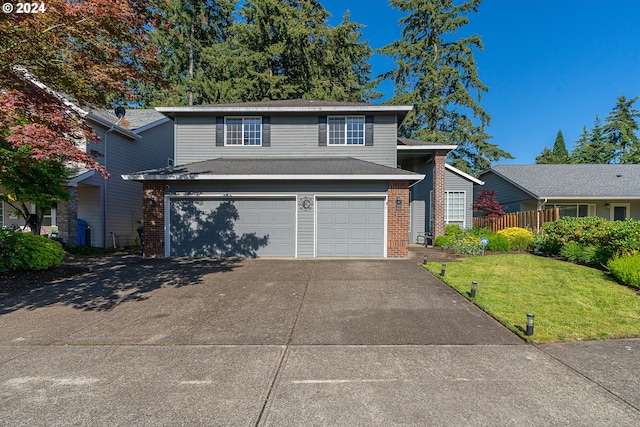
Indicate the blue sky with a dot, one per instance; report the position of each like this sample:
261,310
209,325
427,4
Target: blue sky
549,64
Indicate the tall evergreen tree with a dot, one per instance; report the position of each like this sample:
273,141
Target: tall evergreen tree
593,147
560,152
546,157
287,50
620,130
437,74
193,51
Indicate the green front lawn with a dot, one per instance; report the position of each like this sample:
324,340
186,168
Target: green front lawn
570,302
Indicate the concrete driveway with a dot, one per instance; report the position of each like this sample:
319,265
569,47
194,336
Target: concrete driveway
289,343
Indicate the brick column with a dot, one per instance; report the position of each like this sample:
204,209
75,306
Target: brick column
439,161
153,218
398,220
67,217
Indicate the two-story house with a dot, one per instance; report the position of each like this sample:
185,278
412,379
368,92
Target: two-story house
109,209
294,178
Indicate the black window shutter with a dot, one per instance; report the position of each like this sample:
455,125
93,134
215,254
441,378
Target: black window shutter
368,130
219,131
266,131
322,131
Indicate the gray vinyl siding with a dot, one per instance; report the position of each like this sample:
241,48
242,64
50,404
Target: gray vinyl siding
291,136
121,212
305,227
506,193
420,194
454,182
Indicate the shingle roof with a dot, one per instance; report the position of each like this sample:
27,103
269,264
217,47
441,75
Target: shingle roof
278,168
137,118
557,181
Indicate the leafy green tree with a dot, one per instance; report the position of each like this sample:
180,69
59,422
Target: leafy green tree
620,130
193,53
286,50
437,73
593,147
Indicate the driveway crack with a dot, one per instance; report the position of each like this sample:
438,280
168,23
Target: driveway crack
285,353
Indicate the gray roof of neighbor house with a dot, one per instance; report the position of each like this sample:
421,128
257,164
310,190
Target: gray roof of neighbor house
285,168
573,181
137,118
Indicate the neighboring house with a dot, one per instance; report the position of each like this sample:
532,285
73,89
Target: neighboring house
295,178
110,208
610,191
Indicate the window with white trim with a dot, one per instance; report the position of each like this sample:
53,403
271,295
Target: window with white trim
243,131
347,130
454,207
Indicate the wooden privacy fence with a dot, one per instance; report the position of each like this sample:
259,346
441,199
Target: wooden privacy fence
531,220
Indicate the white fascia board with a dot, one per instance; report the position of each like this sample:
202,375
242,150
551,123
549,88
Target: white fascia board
73,182
426,147
463,174
288,109
586,198
202,177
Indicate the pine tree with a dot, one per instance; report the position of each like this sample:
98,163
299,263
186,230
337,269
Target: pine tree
546,157
620,130
593,147
437,74
288,51
193,51
560,152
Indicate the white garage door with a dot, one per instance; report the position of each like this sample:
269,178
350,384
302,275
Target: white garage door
350,227
238,227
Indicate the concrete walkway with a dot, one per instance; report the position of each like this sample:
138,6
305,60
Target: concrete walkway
290,343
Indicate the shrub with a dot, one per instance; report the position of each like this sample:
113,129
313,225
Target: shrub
452,230
466,244
442,241
626,270
498,243
25,251
520,239
585,230
482,232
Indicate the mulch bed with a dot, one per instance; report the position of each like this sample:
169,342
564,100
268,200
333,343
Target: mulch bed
14,282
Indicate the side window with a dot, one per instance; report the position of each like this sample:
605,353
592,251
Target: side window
454,207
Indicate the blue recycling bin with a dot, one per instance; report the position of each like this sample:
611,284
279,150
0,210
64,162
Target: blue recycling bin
82,232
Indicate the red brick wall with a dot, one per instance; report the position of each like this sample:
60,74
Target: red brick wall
439,160
398,220
153,218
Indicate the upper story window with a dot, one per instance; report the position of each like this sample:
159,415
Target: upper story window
346,130
243,130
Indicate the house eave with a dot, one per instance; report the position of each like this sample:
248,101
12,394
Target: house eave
586,198
205,177
463,174
285,109
425,147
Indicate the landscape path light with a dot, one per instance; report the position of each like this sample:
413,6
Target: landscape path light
474,287
444,267
529,330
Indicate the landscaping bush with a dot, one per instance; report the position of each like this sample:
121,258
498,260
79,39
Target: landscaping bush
442,241
498,243
466,244
626,270
585,230
452,230
25,251
520,239
482,232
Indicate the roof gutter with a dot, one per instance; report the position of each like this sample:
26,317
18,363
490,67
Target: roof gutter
203,177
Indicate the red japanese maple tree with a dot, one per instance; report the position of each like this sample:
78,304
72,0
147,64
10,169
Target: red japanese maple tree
488,204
